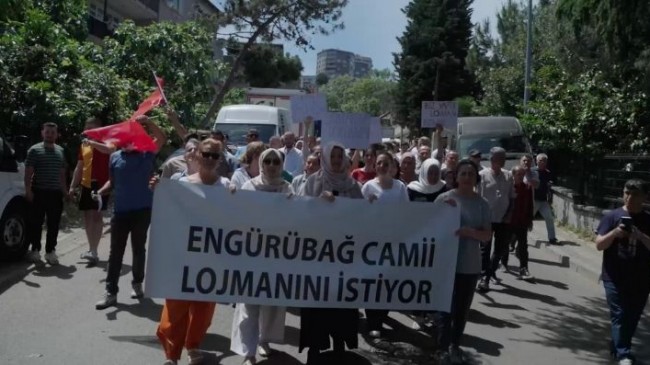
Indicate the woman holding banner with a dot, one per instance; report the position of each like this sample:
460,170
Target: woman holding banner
252,324
475,227
251,165
383,188
317,325
184,323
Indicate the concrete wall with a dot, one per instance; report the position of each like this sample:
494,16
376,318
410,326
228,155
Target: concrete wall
582,217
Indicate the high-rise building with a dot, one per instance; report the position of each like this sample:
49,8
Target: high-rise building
106,15
334,62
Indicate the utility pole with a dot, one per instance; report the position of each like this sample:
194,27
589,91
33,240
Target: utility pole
529,55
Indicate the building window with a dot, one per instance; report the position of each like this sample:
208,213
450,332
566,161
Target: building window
174,4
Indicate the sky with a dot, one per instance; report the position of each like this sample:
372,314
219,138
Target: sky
371,28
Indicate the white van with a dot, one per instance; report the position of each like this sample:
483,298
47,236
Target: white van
13,206
236,120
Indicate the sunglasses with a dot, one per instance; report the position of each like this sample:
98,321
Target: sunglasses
212,155
272,161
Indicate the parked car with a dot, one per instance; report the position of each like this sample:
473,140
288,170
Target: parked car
13,205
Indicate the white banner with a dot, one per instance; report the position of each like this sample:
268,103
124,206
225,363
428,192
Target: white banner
353,130
307,106
440,112
264,248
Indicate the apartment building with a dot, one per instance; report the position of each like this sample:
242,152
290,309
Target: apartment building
105,15
335,62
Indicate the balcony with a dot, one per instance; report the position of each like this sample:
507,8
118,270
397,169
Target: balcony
136,9
98,28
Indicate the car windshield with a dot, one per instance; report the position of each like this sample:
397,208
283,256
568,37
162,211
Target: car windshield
512,144
237,132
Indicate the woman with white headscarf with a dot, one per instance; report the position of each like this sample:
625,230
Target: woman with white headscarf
317,325
257,325
429,183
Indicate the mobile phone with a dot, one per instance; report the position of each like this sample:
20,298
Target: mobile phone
627,223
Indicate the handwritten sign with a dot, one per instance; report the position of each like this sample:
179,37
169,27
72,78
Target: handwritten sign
307,106
350,129
440,112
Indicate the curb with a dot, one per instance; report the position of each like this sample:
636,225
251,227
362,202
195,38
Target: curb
577,265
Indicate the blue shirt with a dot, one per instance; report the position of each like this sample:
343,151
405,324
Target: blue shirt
626,260
130,175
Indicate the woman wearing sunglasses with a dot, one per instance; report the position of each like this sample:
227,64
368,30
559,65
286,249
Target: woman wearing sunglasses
317,325
255,326
183,323
250,165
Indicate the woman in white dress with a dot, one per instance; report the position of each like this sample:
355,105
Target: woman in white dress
255,326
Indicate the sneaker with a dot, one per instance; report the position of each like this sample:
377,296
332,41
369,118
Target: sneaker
51,258
34,257
264,349
456,355
91,257
494,279
249,361
170,362
553,241
108,300
484,285
626,361
194,356
137,292
443,358
524,274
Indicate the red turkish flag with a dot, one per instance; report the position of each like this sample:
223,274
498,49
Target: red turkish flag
156,98
129,135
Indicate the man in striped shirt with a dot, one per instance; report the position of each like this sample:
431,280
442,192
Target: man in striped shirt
45,188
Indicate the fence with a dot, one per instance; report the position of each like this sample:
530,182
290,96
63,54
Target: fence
598,182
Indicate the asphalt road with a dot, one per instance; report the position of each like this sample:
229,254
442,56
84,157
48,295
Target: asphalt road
47,316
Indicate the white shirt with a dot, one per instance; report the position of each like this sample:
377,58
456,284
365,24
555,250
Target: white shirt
239,177
293,161
222,182
397,193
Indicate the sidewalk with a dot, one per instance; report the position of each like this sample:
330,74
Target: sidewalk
572,251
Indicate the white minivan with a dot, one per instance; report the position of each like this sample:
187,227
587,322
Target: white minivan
236,120
13,205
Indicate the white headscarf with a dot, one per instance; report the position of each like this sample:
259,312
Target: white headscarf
422,185
341,181
263,182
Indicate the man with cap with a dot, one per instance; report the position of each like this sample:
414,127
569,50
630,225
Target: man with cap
252,136
475,156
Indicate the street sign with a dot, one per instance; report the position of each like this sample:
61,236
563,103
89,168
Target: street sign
439,112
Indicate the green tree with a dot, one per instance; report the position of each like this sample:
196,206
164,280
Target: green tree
252,21
373,95
322,79
434,49
265,67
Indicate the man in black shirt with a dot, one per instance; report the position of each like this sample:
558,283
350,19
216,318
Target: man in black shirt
623,236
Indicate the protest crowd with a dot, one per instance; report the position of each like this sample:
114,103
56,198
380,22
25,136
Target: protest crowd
497,207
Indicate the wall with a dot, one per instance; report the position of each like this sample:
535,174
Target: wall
582,217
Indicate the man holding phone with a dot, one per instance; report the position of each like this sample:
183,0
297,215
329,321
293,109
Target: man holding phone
624,238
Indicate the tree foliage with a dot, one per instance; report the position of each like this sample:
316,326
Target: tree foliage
586,97
254,21
48,74
434,47
265,67
373,95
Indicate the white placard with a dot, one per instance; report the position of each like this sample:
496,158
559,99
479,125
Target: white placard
263,248
350,129
307,106
440,112
375,130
